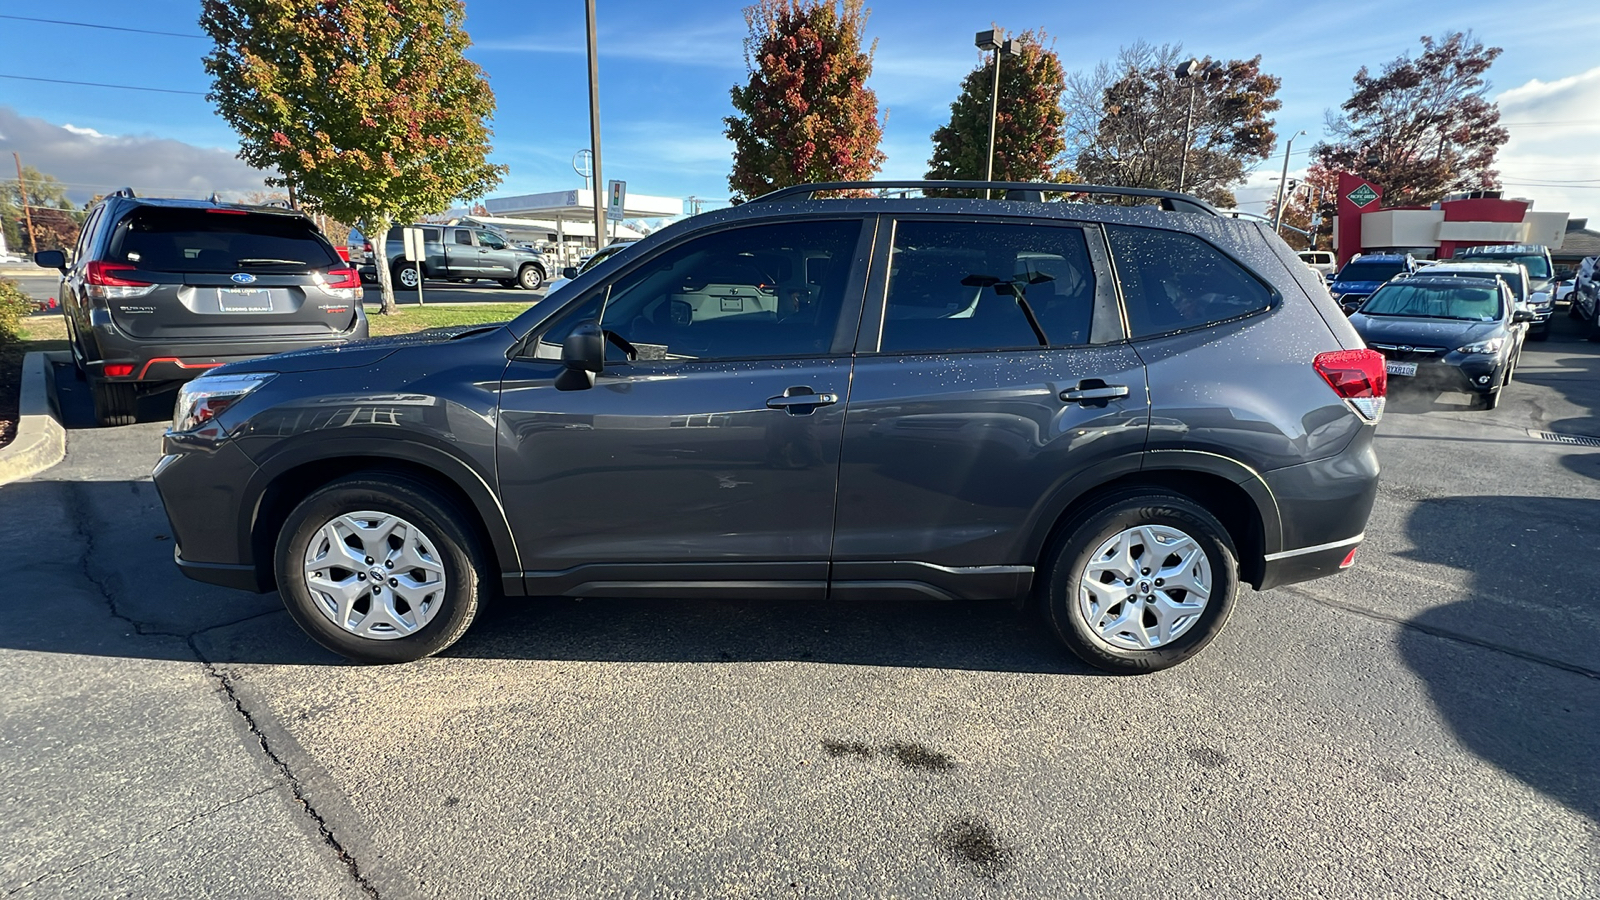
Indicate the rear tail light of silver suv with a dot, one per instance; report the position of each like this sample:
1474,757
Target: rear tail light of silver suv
344,284
104,281
1359,376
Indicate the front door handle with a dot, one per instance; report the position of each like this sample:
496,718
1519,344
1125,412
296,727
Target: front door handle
801,401
1095,391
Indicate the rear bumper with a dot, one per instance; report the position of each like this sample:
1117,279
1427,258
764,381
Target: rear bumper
1295,566
169,361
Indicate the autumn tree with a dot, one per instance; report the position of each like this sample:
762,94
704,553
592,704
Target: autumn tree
1134,122
1313,200
805,114
1028,139
1421,127
45,192
367,108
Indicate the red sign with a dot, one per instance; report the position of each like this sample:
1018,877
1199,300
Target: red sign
1356,196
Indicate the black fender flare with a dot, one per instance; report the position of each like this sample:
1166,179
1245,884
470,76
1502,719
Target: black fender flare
1068,492
469,480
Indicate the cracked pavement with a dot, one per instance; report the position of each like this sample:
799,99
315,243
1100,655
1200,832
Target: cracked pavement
1424,725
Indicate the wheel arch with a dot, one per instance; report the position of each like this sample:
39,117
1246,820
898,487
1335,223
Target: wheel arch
1226,488
284,481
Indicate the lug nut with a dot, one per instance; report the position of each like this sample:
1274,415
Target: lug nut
377,589
394,582
1144,571
361,576
389,563
1159,582
369,560
1128,581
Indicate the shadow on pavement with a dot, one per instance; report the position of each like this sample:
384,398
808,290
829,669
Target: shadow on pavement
1532,598
76,402
121,532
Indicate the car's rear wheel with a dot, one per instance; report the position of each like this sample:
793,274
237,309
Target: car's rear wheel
1141,582
508,282
407,277
529,278
115,402
380,568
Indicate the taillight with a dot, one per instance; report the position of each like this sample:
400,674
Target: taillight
342,278
119,370
1358,376
103,281
366,247
105,275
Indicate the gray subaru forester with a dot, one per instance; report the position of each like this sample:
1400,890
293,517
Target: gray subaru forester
1118,413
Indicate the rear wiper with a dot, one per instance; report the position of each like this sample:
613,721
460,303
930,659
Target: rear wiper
272,262
1017,288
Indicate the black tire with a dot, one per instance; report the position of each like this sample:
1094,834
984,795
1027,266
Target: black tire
1543,334
1068,561
468,577
508,282
1487,399
115,402
405,276
1592,329
80,370
469,281
530,278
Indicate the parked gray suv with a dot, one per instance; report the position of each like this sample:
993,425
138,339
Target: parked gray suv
159,291
1118,413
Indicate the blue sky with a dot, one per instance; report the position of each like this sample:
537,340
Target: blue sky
666,68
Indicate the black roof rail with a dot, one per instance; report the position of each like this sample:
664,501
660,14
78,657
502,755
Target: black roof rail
214,198
123,192
1033,191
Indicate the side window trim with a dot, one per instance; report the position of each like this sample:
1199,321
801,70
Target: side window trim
1106,318
1274,296
86,239
850,311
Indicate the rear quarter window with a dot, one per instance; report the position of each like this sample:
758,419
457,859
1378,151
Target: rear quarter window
1173,281
196,240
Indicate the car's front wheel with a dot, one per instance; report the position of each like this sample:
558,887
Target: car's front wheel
529,278
1141,582
380,568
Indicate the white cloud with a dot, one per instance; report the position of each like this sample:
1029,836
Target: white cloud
90,163
1553,156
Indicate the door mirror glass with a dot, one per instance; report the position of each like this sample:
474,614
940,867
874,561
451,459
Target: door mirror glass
582,357
51,259
569,273
1522,315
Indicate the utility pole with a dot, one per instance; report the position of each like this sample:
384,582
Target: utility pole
1277,219
22,191
594,127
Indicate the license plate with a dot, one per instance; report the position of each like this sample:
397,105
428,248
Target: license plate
1399,368
244,300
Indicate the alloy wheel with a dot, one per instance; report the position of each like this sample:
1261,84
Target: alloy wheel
1144,587
374,575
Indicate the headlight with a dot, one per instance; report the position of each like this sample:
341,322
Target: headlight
1492,345
1337,295
204,398
1540,300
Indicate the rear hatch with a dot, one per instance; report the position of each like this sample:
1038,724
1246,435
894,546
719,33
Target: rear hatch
227,274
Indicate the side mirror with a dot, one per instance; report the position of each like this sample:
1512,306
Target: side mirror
51,259
1522,315
569,273
583,356
1350,307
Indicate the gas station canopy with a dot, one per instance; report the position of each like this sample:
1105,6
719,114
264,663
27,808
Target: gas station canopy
578,206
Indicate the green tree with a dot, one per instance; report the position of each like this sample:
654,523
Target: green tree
367,108
44,192
1028,137
805,114
1422,127
1127,122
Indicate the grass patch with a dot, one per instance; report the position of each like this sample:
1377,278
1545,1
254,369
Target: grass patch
408,319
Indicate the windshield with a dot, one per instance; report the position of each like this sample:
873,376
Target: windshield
1370,271
1537,265
1469,302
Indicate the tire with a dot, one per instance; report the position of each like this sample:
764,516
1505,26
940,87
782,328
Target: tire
1487,399
1542,334
469,281
508,282
1591,330
80,370
431,529
1134,518
405,277
115,402
529,278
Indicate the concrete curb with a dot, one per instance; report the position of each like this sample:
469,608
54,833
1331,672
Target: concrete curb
41,442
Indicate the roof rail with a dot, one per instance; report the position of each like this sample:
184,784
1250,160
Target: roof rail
1033,191
214,198
123,192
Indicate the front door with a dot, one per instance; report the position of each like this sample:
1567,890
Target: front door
708,463
495,257
967,413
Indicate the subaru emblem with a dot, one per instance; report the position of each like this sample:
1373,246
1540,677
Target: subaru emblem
1406,348
243,278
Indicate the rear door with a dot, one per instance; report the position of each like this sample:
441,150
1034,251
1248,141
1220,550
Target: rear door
963,418
213,273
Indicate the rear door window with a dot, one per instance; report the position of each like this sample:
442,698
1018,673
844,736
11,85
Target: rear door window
198,240
1173,281
956,286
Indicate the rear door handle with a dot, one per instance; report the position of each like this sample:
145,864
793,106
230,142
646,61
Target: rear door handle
1093,390
801,401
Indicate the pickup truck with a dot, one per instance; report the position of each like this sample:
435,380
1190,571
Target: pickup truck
463,253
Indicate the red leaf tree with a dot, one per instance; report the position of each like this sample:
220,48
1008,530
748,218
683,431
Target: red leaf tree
806,114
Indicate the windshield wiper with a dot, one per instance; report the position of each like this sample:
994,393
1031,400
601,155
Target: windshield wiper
272,262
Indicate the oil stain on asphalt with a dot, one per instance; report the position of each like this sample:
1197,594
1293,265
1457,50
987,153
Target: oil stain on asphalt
973,845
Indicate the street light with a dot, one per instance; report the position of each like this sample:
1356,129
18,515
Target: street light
1277,220
995,40
1193,72
594,128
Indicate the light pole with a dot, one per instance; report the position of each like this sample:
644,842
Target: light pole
594,129
994,39
1193,71
1277,219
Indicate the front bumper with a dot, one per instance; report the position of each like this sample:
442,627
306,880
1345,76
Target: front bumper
1472,373
202,491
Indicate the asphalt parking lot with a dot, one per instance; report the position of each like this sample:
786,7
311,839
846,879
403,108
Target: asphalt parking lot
1426,724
